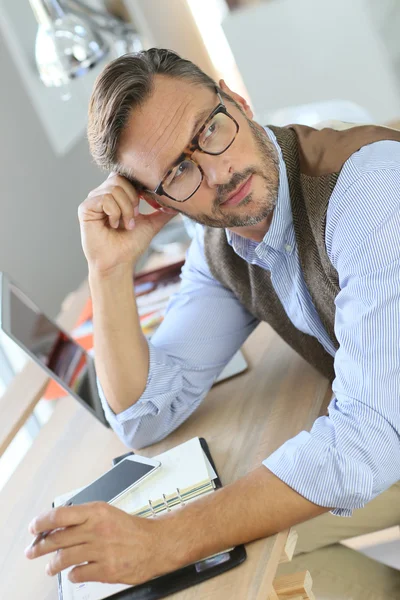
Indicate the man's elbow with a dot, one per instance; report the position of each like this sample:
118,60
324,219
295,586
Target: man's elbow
136,435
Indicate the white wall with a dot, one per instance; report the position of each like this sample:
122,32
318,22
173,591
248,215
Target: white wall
293,52
170,24
39,196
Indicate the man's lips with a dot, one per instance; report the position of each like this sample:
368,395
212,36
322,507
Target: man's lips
238,194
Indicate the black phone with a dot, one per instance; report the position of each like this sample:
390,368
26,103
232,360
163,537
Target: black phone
117,481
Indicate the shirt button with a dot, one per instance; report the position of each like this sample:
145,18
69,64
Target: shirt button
288,247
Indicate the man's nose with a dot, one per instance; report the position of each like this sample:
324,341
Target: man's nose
217,169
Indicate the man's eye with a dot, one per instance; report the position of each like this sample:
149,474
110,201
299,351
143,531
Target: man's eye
180,171
210,131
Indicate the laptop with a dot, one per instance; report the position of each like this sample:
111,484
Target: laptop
52,348
57,353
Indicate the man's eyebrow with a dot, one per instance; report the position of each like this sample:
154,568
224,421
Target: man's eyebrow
127,172
205,112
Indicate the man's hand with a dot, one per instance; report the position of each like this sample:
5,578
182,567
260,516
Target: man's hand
125,549
113,231
118,547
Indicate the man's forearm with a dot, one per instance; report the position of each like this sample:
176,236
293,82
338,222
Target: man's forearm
121,351
256,506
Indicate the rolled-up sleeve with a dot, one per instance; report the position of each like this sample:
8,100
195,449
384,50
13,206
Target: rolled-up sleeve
353,455
203,327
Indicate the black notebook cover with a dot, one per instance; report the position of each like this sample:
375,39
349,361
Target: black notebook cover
187,576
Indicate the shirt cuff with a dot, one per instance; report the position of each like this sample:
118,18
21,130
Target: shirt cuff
153,397
320,473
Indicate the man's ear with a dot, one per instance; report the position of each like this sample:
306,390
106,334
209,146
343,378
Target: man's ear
239,99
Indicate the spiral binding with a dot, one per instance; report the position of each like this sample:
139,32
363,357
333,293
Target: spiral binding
167,508
153,512
165,501
180,497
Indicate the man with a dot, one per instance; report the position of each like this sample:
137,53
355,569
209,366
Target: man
297,227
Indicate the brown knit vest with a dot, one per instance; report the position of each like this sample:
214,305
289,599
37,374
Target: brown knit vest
313,161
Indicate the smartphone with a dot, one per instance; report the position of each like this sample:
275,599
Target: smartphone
119,480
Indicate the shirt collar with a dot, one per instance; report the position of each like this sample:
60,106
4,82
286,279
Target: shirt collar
280,235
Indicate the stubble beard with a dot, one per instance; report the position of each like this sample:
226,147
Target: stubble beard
269,174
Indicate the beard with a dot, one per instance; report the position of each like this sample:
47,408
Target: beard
259,209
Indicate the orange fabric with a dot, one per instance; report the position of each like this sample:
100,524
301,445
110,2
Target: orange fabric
86,314
53,389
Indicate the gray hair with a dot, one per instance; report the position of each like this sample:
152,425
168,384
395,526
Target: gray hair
124,85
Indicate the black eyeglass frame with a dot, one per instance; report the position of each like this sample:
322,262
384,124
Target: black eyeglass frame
191,149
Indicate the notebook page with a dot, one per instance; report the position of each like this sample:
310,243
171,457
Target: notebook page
88,591
181,467
211,473
84,591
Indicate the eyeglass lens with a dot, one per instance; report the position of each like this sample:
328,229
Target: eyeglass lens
215,139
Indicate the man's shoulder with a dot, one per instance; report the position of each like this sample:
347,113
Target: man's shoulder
366,195
367,168
378,156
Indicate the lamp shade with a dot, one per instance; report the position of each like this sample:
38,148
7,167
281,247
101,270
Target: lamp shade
66,44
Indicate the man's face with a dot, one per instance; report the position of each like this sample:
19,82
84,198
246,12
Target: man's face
159,131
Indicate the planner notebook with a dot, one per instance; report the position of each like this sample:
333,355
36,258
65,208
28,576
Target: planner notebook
187,472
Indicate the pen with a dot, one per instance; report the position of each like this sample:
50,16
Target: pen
44,534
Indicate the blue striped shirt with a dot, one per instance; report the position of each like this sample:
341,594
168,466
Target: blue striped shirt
353,455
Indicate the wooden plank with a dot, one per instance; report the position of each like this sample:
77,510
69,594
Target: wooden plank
273,595
27,387
290,546
60,459
376,538
294,585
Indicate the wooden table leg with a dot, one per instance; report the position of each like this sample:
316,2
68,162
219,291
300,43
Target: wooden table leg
290,546
273,595
294,586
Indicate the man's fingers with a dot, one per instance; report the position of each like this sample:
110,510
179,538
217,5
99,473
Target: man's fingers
117,198
118,205
63,516
60,538
129,189
71,556
89,572
95,571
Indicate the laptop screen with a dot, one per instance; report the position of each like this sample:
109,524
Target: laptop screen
49,345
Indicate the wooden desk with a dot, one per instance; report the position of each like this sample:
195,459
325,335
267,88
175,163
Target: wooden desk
244,420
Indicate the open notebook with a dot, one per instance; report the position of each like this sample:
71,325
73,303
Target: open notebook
184,475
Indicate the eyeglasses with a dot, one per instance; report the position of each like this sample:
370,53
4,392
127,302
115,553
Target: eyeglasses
185,177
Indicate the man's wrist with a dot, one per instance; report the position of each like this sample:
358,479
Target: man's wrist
184,533
233,515
116,273
169,539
